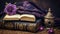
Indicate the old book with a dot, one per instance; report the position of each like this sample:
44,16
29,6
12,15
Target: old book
23,17
24,26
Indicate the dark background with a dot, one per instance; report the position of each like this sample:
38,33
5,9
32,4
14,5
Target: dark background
44,4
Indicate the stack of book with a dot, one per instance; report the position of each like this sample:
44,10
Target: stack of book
24,22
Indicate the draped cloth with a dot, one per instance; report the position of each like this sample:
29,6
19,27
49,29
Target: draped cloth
26,7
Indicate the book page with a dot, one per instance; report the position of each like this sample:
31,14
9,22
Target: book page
27,17
12,17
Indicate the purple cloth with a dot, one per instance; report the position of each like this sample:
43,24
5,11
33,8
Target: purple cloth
28,8
33,13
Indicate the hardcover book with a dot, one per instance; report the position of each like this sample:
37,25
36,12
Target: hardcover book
24,26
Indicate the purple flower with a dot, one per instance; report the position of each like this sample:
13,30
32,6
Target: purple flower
10,9
50,31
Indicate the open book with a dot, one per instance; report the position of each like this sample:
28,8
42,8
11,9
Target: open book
24,17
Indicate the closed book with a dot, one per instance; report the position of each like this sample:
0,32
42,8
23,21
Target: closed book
33,27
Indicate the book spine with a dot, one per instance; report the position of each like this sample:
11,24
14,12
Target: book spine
21,26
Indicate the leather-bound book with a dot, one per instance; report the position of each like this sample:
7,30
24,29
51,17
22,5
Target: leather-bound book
24,26
23,17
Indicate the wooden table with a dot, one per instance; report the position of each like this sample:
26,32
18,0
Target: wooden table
57,31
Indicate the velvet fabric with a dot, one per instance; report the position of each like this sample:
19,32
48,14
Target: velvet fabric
26,7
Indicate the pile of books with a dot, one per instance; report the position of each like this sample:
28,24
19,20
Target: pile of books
25,22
